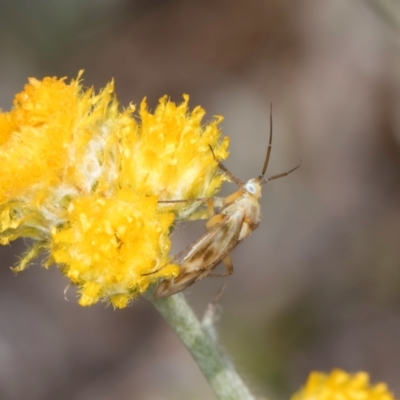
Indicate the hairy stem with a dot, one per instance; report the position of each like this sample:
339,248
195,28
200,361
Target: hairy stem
200,340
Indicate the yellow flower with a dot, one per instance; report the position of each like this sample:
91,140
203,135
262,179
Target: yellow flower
339,385
84,180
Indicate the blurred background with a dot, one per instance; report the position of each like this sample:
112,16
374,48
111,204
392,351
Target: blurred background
317,286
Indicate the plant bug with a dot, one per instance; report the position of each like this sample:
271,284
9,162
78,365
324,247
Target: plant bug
237,216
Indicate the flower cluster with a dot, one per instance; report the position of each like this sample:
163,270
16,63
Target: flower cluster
85,181
341,385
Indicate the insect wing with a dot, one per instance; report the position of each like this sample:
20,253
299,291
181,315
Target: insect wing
204,255
213,246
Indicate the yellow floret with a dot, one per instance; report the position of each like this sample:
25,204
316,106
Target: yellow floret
341,385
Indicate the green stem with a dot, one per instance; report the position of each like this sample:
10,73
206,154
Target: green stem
200,340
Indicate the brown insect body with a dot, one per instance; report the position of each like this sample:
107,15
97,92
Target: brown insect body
237,216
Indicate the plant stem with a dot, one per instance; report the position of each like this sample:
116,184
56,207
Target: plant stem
201,342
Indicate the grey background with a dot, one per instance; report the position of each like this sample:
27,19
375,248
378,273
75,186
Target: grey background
317,286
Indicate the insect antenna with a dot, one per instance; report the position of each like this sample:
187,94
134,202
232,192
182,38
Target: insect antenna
267,156
281,175
226,170
271,178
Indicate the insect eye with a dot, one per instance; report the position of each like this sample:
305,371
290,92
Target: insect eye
250,188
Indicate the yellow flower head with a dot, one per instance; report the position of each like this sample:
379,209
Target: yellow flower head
339,385
84,180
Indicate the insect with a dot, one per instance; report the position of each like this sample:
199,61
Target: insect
237,216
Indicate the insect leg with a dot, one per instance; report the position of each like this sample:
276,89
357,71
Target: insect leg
202,199
216,219
227,261
210,207
213,218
